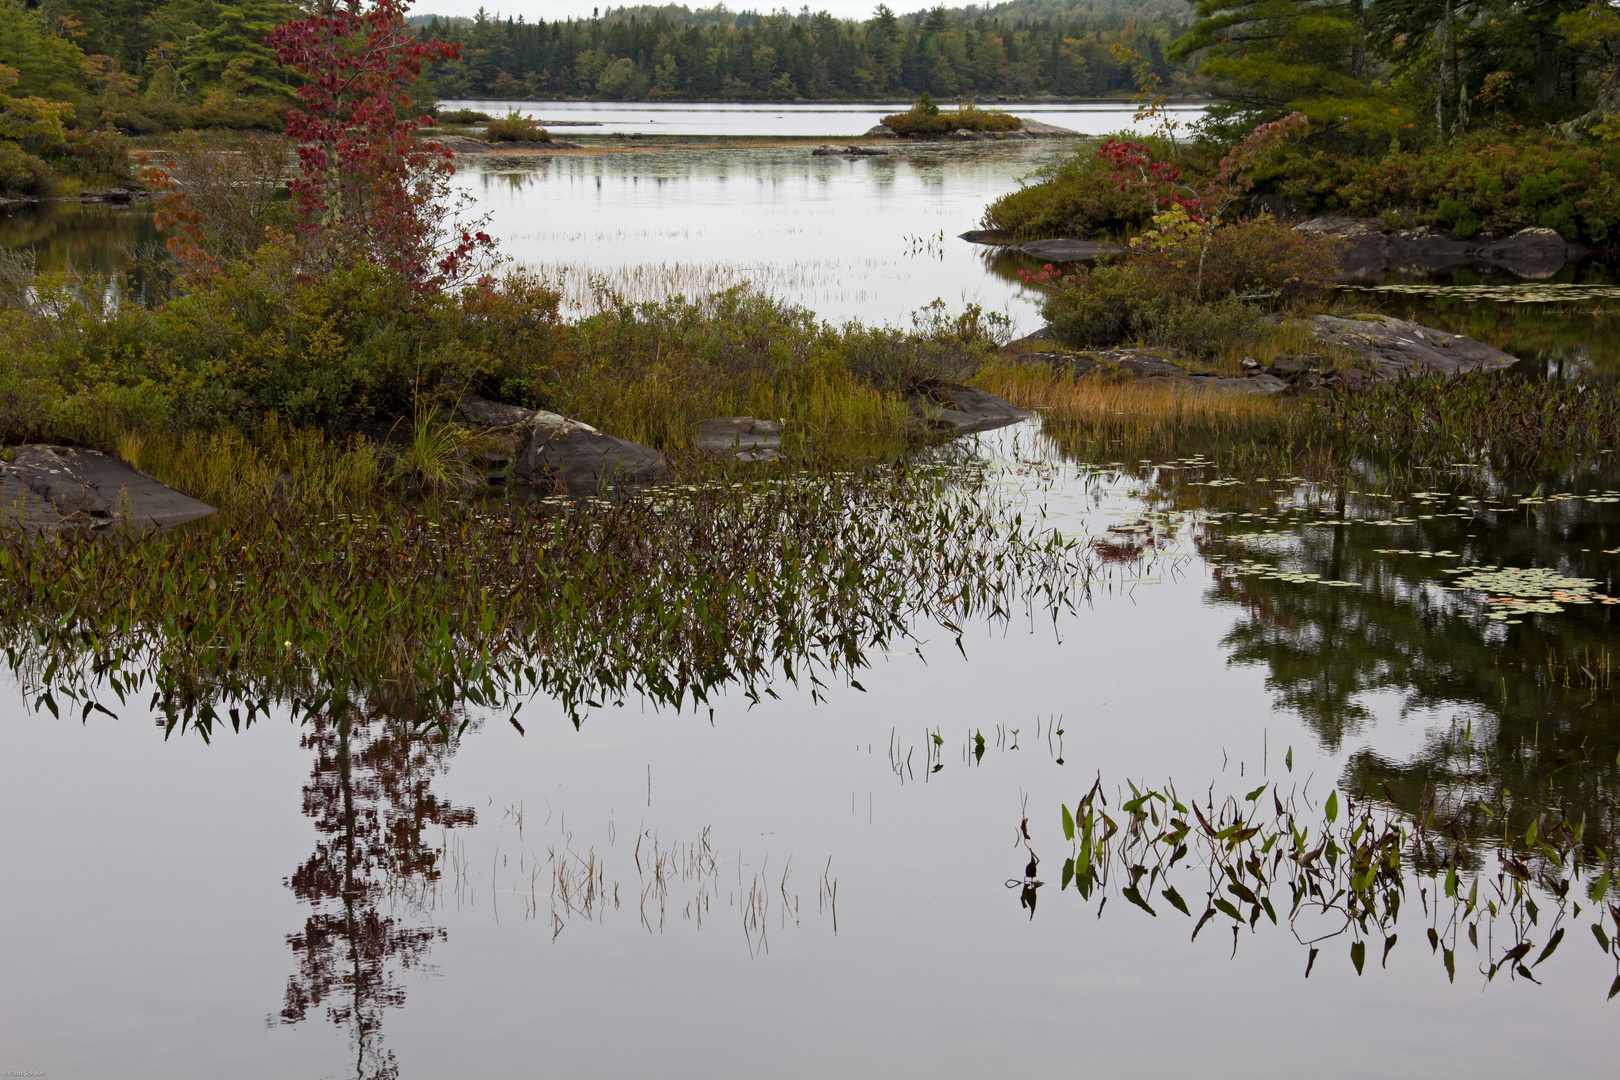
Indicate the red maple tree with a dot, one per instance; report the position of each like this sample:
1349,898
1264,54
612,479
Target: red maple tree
368,189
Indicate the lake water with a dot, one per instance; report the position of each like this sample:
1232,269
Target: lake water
838,887
831,119
794,887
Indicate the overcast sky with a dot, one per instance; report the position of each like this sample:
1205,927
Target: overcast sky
549,10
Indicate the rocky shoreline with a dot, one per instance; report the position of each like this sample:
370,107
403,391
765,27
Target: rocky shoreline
1378,348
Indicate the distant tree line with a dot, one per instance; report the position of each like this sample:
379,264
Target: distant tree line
653,53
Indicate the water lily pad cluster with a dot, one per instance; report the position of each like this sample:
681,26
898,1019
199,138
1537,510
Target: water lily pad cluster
1520,590
1267,572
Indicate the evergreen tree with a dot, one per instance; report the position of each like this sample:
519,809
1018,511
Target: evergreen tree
1273,57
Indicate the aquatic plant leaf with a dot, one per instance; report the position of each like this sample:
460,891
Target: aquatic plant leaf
1358,954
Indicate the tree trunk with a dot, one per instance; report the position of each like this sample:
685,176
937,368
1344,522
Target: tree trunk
1546,67
1358,48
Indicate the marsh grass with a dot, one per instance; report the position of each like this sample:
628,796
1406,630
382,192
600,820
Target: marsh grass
272,464
436,455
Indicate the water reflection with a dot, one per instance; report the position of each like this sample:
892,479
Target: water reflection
370,798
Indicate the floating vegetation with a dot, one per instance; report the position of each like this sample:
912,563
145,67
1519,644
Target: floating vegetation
1526,590
1289,862
1265,572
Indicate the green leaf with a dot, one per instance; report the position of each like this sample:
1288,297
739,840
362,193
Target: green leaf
1068,824
1602,938
1358,954
1558,935
1175,899
1288,759
1331,809
1600,887
1130,893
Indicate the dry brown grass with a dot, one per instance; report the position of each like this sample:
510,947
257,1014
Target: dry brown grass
1097,410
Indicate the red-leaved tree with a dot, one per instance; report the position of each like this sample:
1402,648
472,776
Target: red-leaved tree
367,189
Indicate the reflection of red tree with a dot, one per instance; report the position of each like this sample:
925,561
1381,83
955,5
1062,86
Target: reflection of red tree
370,797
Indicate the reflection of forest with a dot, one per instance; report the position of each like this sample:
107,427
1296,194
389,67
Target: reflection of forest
84,237
1558,340
1533,734
369,795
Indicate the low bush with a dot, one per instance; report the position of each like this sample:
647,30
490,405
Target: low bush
461,116
259,339
1078,196
924,118
1175,291
21,173
92,156
515,128
1486,182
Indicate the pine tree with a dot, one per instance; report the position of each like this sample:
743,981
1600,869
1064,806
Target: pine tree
1273,57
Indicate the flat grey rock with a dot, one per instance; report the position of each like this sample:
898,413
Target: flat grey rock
742,437
1391,348
473,409
992,237
59,486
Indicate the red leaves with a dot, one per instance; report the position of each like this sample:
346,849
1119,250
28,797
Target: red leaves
367,188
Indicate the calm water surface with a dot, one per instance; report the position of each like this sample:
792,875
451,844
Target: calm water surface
832,119
793,888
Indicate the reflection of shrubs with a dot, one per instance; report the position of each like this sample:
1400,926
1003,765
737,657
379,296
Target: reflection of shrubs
1153,297
515,128
21,173
919,120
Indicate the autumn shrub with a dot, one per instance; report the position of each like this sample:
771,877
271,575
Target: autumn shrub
515,128
919,120
21,173
1078,196
92,156
1175,291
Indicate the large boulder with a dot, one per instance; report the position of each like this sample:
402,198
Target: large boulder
1530,253
45,487
575,457
558,452
955,410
